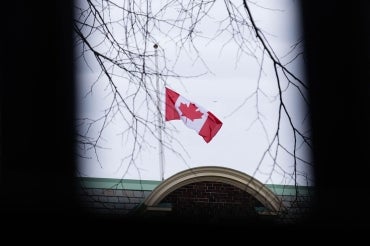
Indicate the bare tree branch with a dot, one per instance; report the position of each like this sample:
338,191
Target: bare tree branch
119,36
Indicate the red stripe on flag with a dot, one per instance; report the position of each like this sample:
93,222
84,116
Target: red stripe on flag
171,98
210,127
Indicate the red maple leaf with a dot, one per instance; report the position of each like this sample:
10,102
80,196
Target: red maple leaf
191,112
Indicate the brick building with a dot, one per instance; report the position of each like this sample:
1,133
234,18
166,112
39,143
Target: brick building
198,194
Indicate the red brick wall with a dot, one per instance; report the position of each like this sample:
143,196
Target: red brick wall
211,199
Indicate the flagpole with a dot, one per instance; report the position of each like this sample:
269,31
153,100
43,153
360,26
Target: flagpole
160,121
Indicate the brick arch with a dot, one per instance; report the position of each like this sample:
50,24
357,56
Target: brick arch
220,175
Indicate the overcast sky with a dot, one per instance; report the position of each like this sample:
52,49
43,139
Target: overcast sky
240,143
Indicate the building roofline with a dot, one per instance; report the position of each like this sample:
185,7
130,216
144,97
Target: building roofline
119,184
149,185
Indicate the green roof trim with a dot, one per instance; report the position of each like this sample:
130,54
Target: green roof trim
290,190
149,185
119,184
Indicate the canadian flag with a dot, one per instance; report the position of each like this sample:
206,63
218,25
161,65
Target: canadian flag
193,115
